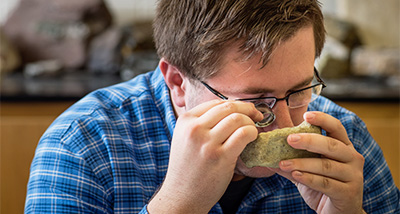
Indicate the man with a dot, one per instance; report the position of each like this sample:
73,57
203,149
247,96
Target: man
169,141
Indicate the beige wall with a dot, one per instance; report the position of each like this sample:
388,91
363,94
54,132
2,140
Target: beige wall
378,21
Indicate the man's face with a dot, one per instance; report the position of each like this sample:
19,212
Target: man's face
288,70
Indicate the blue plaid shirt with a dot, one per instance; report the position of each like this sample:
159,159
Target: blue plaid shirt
108,153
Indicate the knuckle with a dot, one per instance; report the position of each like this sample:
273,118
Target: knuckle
252,107
326,184
326,165
337,126
185,116
209,152
246,134
195,131
229,107
194,127
359,158
236,118
242,132
332,145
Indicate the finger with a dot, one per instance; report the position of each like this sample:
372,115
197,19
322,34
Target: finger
282,173
222,110
204,107
342,194
331,187
229,124
319,166
238,140
331,125
327,146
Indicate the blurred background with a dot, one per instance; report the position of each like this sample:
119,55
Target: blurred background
55,52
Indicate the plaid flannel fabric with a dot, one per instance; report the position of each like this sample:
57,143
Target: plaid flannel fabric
108,153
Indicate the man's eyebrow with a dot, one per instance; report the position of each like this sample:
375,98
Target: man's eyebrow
305,83
257,90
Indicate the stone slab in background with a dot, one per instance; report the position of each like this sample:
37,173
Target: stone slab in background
376,61
57,29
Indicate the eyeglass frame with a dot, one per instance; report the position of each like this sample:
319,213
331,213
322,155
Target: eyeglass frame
316,74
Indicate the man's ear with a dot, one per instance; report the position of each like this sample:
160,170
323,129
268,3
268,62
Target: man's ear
175,81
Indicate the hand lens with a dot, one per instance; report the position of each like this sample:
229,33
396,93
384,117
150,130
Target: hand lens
269,117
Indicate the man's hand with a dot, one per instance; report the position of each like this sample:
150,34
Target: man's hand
206,144
333,183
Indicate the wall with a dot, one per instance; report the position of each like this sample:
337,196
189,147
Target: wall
376,21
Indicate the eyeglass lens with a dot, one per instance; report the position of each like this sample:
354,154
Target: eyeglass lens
264,105
304,97
295,100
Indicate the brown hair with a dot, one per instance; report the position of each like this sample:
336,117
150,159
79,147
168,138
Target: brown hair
193,34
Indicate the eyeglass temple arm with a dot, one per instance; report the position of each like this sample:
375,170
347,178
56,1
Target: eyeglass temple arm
319,79
216,93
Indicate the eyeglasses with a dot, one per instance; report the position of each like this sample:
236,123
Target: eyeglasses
295,99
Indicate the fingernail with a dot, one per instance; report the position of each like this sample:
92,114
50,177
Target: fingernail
286,163
297,173
309,116
294,138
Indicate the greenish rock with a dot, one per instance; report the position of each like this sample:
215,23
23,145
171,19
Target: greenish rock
271,147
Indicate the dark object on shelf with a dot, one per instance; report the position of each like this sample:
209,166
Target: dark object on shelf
103,52
343,31
9,55
70,85
138,62
342,38
363,88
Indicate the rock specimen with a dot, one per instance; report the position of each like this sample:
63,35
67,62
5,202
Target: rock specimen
271,147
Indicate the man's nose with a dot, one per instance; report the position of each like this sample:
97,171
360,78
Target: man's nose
282,113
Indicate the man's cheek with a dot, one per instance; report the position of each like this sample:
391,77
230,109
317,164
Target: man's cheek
297,115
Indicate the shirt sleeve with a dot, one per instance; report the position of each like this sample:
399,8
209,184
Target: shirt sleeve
69,174
380,192
99,155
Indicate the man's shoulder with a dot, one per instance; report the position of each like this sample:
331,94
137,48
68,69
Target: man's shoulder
115,96
110,107
114,116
